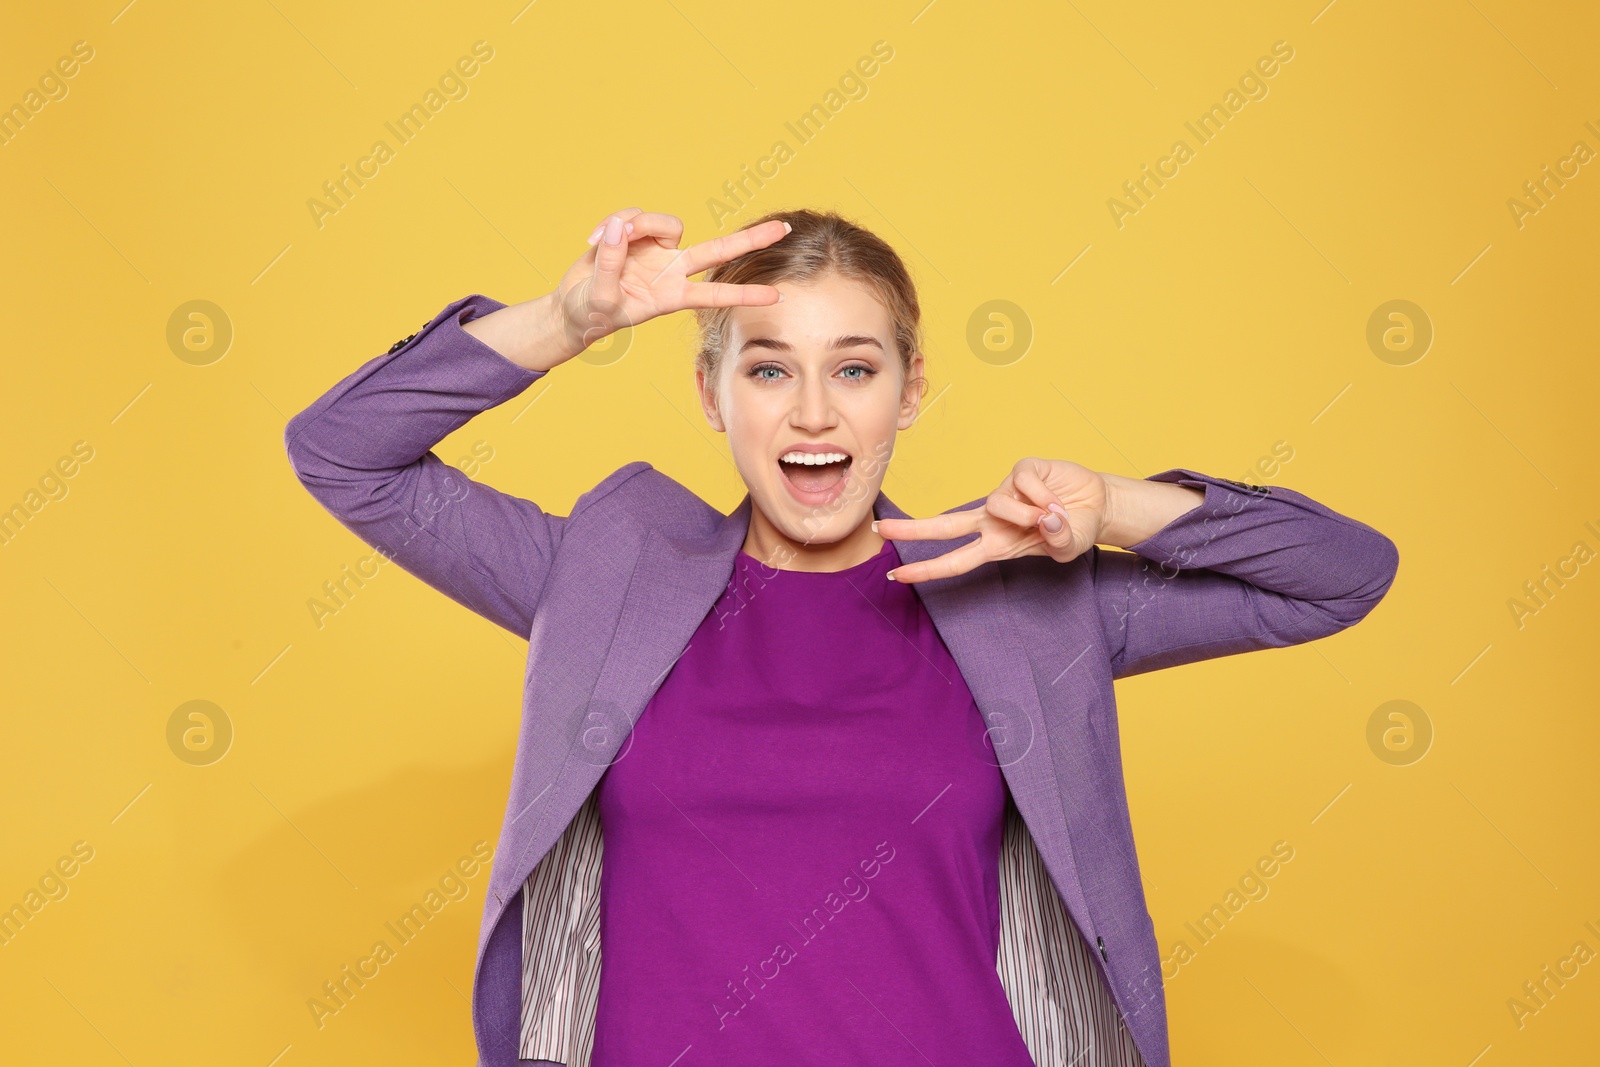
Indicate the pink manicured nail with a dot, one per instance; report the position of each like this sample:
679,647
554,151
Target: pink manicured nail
598,230
1051,523
613,231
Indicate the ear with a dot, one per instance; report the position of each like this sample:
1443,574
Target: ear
708,403
911,394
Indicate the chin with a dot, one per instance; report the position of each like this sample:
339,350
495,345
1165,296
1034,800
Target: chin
811,525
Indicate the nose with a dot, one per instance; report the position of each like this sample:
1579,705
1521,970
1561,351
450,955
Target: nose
813,406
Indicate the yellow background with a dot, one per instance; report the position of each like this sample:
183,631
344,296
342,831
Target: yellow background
1229,314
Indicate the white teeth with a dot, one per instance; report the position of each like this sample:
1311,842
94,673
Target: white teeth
812,459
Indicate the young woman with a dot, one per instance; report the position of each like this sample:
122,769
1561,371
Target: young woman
856,774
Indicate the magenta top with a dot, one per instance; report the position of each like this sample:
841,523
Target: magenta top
802,839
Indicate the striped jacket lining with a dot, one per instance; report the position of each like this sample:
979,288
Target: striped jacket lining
1061,1004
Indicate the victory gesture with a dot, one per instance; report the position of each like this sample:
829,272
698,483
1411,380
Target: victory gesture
636,271
1045,507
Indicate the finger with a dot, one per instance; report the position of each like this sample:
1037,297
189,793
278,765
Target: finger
707,254
970,555
611,253
626,215
1008,504
1033,492
727,295
1005,505
1073,536
933,528
666,229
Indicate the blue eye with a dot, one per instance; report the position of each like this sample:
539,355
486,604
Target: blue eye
756,372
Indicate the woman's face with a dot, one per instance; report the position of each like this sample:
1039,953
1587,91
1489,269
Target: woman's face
816,372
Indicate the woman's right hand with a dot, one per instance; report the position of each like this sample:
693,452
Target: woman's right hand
635,271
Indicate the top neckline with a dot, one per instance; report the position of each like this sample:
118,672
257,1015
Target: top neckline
886,551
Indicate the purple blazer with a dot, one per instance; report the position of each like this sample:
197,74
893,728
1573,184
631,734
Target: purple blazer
609,596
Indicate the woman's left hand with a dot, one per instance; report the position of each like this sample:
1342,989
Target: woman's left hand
1045,507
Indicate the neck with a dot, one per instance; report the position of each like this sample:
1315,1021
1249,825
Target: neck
769,544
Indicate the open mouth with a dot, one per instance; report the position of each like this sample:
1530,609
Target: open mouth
817,473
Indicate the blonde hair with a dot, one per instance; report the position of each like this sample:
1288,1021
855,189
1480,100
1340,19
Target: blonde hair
821,243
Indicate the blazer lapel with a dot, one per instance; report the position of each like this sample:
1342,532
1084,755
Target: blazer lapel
673,585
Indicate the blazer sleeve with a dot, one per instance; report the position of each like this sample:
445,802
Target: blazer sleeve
363,450
1250,567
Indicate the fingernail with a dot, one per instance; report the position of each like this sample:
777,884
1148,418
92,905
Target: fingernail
874,525
1053,506
1052,523
787,228
780,296
613,230
630,227
891,576
598,230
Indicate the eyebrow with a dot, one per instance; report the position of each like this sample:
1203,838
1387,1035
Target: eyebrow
849,340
